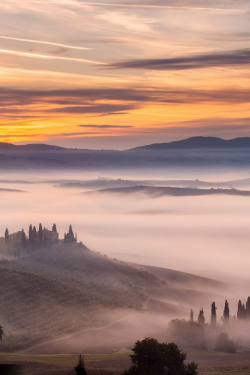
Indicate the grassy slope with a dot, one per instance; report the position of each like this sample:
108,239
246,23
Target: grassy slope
68,289
65,289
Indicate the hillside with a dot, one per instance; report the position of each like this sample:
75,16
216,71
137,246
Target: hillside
155,192
68,290
199,142
65,289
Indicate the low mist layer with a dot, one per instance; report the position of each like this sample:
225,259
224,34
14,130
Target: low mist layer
206,234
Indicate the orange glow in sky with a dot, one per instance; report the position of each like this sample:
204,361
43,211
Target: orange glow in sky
116,75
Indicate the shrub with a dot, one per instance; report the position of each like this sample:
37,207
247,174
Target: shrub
224,344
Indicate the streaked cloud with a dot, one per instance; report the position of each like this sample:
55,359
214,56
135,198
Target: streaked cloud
44,42
106,126
50,57
230,58
95,108
118,99
169,5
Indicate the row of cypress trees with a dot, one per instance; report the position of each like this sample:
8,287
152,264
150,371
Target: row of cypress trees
34,236
243,313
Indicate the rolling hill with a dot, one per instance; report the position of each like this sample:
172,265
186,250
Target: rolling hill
60,295
156,192
199,143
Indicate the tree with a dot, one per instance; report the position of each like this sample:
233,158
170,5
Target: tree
23,239
34,237
153,358
71,234
226,313
54,229
40,234
80,368
201,318
1,333
186,333
6,235
241,314
248,308
30,234
191,316
224,344
213,314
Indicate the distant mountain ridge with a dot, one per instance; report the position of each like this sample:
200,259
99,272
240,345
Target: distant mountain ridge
4,146
188,143
199,142
195,152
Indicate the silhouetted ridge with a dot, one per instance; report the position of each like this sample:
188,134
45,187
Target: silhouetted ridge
199,142
29,147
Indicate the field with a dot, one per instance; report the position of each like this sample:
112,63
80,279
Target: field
210,363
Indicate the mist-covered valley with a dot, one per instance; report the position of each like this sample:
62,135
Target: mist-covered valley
141,259
200,234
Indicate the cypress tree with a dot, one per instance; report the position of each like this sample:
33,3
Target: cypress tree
34,237
71,234
213,314
6,235
30,234
80,368
23,239
248,308
241,313
226,314
191,316
201,318
1,333
40,234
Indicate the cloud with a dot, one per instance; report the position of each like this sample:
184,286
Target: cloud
220,59
216,6
97,108
106,126
229,37
131,21
76,134
48,57
102,102
44,42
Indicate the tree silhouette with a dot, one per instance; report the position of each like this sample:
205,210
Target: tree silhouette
54,229
40,234
1,333
80,368
6,235
226,313
224,344
201,318
213,314
153,358
248,308
241,314
30,234
185,333
71,233
191,316
23,239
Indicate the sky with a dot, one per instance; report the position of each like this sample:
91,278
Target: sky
119,74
